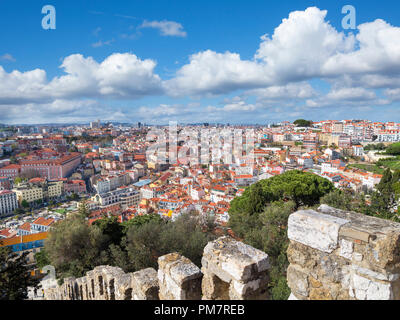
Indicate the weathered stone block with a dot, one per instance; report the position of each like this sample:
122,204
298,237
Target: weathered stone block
316,230
298,280
179,278
234,270
366,289
145,285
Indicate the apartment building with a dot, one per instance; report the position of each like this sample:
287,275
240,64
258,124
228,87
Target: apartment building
10,171
388,136
52,169
8,202
126,197
28,192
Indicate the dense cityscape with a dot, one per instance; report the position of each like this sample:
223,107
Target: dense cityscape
46,172
199,151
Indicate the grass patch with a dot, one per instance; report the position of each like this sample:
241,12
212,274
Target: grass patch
368,167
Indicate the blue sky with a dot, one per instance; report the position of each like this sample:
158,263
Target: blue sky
199,61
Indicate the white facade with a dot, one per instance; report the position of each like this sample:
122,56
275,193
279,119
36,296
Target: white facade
8,202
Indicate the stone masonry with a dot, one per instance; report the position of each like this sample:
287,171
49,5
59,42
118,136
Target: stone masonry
179,278
227,263
234,271
335,254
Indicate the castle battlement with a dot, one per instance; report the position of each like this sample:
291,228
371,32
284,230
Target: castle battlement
333,254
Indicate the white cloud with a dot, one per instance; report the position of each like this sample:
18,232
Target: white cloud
379,51
60,111
167,28
301,90
301,45
209,72
7,57
356,94
101,43
393,94
347,97
239,106
123,76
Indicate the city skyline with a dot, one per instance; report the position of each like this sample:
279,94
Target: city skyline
190,62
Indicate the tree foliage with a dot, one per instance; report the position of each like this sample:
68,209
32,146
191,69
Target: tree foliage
303,123
73,247
393,149
42,258
15,275
260,217
302,187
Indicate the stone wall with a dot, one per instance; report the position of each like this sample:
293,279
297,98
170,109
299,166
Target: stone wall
227,265
335,254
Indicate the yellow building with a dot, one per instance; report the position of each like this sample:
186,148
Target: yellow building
55,189
28,193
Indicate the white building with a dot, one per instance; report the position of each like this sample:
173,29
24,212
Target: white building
358,150
8,202
389,136
109,183
126,197
197,193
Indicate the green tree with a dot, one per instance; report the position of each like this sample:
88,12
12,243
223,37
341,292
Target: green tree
25,203
75,248
74,196
15,275
386,182
83,209
260,217
302,187
140,220
111,228
146,242
302,123
393,149
42,258
346,200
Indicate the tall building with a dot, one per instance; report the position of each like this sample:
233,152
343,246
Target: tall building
8,202
52,169
95,124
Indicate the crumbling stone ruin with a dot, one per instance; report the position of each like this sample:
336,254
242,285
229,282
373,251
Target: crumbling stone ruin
339,255
234,271
333,255
230,270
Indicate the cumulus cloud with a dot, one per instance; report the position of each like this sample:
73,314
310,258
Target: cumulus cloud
301,90
118,76
379,51
166,28
209,72
239,106
350,97
393,94
351,94
60,111
303,47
